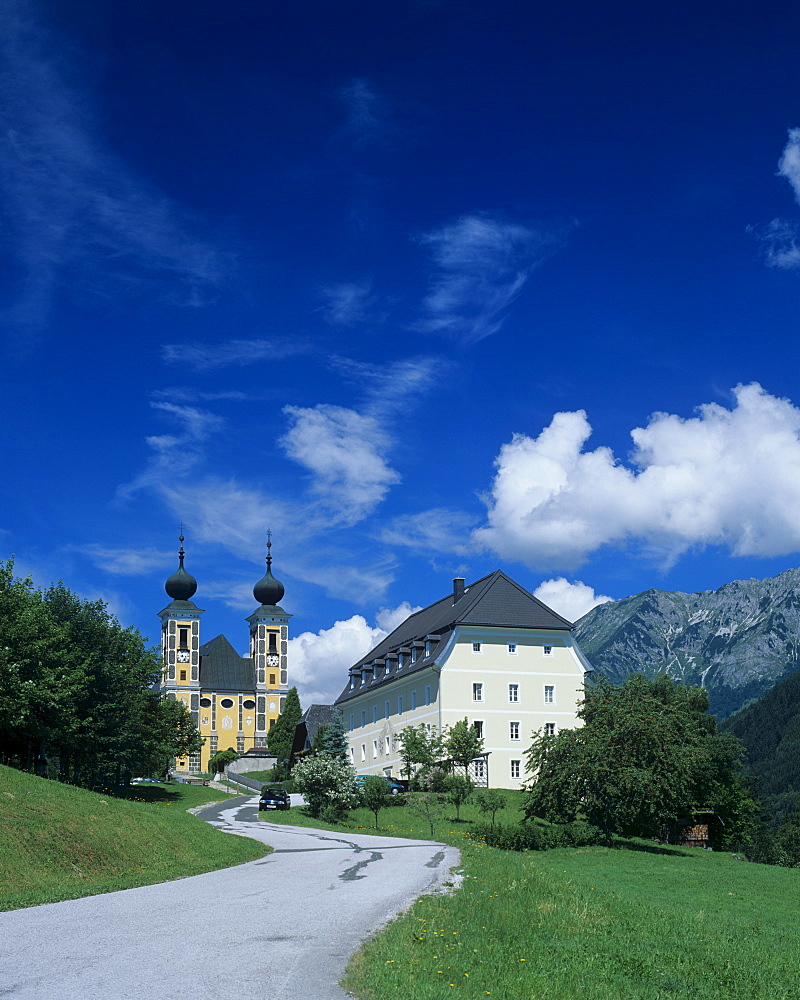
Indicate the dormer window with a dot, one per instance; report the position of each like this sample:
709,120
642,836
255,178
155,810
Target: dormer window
413,656
352,683
427,648
386,669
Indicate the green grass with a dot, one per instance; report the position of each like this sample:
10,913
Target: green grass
59,842
628,923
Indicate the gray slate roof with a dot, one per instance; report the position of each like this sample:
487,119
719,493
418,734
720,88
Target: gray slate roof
222,669
494,600
310,721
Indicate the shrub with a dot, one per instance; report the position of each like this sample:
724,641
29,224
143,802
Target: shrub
325,781
530,837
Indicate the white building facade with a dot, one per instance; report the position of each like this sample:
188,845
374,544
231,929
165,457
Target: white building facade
491,653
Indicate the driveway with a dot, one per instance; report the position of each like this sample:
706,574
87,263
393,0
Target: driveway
281,927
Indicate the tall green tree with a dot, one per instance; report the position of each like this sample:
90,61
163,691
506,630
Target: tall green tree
281,737
462,744
419,747
334,740
647,753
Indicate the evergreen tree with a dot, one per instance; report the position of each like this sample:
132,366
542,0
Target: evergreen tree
334,741
280,738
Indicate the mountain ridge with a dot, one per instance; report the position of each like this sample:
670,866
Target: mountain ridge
737,641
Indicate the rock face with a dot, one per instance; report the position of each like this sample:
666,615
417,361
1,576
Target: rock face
736,642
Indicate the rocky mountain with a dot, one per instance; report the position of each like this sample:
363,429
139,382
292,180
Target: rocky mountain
737,642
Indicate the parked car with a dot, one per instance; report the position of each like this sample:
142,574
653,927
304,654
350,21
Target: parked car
273,798
395,788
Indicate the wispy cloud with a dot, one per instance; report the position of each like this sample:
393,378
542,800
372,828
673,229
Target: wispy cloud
482,264
205,357
364,110
183,394
346,453
173,455
347,303
126,562
72,208
389,387
780,238
437,530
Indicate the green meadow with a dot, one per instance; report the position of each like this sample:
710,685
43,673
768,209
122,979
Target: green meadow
632,922
61,842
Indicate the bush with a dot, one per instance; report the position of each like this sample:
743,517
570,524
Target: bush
325,781
530,837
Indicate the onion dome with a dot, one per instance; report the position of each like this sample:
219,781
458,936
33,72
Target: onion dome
268,590
181,586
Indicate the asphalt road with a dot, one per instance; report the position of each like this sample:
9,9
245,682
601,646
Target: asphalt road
279,928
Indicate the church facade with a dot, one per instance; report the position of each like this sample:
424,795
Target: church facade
489,652
233,699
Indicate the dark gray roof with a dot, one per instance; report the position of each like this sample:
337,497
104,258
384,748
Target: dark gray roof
310,721
222,669
494,600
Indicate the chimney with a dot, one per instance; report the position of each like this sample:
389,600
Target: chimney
458,589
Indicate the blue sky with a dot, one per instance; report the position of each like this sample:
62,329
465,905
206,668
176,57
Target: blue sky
428,289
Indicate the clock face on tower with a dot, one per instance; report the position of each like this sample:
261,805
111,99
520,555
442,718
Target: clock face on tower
273,660
183,656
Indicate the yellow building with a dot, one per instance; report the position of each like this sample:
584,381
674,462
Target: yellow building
234,699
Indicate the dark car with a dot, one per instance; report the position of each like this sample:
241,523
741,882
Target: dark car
395,788
273,798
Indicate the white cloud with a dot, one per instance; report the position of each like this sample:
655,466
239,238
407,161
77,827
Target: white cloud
72,210
320,660
789,163
482,265
436,530
346,303
344,450
780,238
205,357
364,110
724,477
570,600
126,562
389,387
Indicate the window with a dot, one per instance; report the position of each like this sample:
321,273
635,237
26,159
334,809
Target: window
352,682
513,692
205,703
363,718
401,661
549,694
352,722
478,727
515,768
512,648
374,748
386,669
476,647
427,648
427,694
477,692
249,704
374,713
479,769
386,712
363,751
413,656
183,675
388,745
352,755
550,729
413,700
513,730
272,680
399,704
547,650
183,641
226,703
273,642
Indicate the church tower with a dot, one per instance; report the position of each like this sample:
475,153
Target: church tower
180,645
269,636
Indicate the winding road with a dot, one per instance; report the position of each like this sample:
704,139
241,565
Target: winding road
281,927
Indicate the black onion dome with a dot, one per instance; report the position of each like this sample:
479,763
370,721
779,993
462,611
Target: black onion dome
181,586
268,590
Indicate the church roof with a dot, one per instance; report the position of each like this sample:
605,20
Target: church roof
495,600
222,669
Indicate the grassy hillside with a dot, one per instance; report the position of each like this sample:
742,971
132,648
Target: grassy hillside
60,842
637,922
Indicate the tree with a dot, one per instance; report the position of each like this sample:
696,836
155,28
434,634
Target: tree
458,791
428,805
374,795
334,742
220,761
418,747
280,738
462,744
647,753
325,782
490,801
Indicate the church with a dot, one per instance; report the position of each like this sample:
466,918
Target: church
233,699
